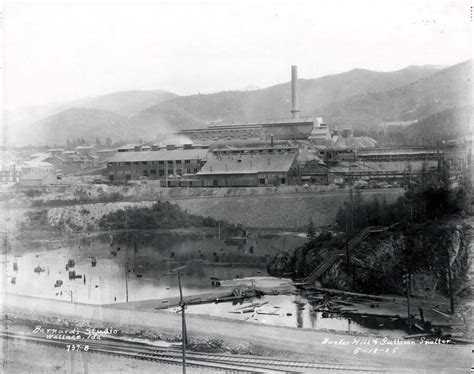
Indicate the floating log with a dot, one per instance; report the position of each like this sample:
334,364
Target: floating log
251,310
437,311
418,327
355,294
253,305
342,302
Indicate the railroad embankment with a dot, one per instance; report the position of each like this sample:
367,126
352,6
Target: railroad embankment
270,207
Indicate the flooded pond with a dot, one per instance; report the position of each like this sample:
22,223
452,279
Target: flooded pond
147,259
296,311
100,266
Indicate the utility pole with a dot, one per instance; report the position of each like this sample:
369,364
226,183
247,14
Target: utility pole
450,283
182,304
408,291
183,318
126,281
126,256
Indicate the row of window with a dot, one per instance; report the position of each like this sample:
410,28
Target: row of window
225,132
253,151
261,181
169,162
161,172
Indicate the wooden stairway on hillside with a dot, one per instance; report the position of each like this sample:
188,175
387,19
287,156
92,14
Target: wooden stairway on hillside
336,256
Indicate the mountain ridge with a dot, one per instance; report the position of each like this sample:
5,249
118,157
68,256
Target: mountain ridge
358,97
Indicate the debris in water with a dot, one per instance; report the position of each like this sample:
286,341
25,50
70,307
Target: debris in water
38,269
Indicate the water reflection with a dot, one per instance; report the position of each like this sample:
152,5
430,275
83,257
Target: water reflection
295,311
100,265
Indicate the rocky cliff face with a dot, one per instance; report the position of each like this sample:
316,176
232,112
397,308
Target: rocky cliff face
380,262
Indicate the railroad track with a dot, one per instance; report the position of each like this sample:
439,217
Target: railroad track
210,361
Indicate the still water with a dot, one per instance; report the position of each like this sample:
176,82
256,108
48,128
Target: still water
150,256
296,311
147,259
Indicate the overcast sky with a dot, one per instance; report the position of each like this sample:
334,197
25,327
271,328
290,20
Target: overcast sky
57,52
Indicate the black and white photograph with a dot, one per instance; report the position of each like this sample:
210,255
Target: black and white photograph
239,186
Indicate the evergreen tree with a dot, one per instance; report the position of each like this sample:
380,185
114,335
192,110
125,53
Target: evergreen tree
310,230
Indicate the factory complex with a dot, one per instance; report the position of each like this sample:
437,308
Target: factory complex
286,151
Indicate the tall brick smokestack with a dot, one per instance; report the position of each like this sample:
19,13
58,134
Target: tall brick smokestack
295,112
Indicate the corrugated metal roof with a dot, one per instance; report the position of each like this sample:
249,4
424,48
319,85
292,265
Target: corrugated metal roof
248,164
397,151
41,156
282,121
105,150
38,163
276,148
177,154
242,126
352,142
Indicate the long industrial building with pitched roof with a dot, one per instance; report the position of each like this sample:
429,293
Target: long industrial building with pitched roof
247,169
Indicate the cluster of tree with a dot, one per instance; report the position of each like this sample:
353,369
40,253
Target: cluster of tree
299,262
428,195
162,215
421,244
382,264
